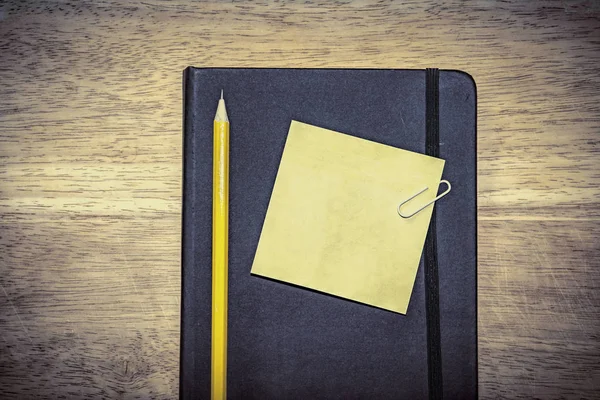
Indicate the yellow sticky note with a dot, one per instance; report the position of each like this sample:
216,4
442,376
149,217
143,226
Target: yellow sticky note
332,223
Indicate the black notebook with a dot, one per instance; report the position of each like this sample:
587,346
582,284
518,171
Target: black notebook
287,342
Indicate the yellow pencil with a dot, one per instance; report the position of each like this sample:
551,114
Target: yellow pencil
219,252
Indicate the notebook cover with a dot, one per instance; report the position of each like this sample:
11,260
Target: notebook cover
287,342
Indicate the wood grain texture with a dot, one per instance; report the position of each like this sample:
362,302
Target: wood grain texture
90,169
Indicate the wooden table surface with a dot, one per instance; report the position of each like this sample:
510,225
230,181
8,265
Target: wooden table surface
90,168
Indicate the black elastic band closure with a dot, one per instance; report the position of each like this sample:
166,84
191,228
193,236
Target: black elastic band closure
432,294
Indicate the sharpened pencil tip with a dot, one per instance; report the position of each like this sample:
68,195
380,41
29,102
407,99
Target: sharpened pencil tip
221,114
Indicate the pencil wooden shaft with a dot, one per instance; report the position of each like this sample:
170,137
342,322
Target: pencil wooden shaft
220,259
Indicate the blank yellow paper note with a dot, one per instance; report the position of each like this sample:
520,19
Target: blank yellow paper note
332,223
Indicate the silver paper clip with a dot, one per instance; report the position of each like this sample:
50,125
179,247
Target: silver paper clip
426,205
